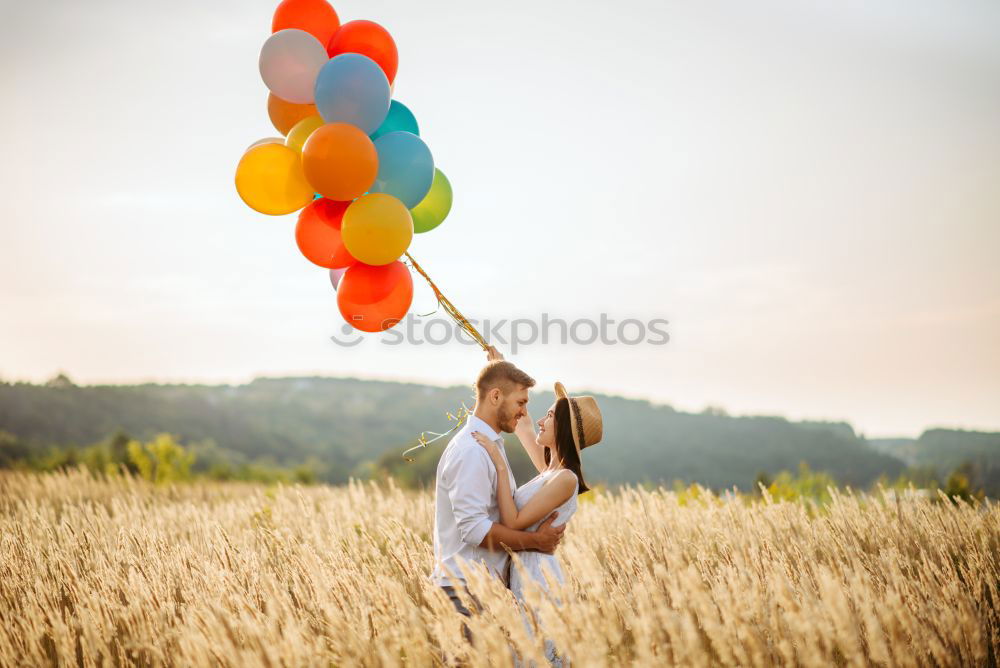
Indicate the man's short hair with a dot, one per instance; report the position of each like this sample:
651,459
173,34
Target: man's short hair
502,374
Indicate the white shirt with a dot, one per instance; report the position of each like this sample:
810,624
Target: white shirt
465,500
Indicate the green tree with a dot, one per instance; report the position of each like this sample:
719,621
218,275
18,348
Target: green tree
808,484
161,460
762,479
118,449
960,484
12,450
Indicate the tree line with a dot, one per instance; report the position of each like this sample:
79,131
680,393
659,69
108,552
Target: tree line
333,429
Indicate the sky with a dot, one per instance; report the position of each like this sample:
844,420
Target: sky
808,192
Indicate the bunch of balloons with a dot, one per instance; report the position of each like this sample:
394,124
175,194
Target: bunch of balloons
351,158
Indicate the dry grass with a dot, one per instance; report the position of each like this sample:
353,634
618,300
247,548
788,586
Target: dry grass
109,573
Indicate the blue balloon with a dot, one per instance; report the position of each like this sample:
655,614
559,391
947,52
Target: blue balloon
352,88
405,167
400,118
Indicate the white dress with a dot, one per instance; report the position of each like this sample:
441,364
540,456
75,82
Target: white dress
534,564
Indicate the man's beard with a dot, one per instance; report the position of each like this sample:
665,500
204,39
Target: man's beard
506,421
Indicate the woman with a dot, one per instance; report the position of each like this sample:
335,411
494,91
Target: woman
570,425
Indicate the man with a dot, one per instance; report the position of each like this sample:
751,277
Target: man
467,518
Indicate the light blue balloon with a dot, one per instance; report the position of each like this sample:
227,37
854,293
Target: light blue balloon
400,118
405,167
352,88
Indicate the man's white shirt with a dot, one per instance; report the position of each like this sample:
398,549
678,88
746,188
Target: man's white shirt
465,500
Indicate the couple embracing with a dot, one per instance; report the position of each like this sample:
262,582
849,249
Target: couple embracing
480,513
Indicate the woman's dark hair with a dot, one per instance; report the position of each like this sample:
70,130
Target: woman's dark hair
564,443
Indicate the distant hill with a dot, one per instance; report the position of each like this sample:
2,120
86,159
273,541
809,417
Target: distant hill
354,427
948,448
943,450
897,447
977,453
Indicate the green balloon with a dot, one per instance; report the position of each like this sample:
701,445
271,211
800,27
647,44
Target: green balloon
399,119
434,207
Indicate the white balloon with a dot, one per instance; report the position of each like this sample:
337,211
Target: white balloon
289,62
266,140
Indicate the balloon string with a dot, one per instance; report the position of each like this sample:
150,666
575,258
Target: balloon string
422,441
449,308
463,322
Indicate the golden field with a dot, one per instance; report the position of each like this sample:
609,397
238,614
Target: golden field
122,572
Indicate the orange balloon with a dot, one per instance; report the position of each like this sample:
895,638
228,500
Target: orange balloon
284,115
318,234
373,299
316,17
340,161
369,39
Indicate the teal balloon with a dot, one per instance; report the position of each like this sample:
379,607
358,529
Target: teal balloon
399,119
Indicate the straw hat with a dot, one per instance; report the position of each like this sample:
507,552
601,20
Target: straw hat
585,416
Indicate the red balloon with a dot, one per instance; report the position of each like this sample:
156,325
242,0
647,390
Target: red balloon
318,233
316,17
369,39
373,299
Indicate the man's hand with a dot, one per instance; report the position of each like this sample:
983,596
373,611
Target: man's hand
543,540
549,536
492,354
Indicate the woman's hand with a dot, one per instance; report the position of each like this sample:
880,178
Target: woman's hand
525,425
491,448
525,430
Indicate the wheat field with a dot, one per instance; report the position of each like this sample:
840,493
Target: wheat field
121,572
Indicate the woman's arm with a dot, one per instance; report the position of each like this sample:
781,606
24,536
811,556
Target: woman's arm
505,495
525,432
552,494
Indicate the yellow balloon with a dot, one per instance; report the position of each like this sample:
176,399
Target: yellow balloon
376,229
270,180
300,132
